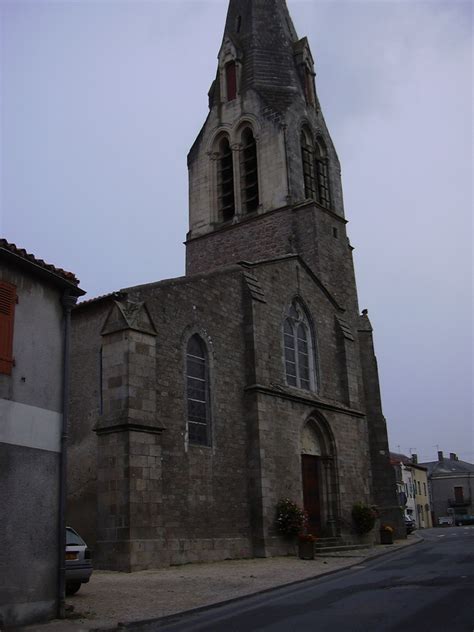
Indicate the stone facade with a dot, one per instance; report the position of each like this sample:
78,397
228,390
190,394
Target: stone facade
181,455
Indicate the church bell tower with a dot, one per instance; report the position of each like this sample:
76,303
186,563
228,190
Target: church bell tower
264,176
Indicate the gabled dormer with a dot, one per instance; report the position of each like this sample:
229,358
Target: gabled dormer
229,71
305,64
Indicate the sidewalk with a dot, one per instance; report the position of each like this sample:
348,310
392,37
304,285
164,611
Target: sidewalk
112,598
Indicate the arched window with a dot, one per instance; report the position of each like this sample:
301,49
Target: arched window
197,385
308,165
321,163
225,181
299,352
249,172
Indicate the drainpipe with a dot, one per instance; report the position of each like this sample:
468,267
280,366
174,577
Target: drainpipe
68,301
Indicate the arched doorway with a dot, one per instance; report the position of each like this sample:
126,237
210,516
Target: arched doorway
318,473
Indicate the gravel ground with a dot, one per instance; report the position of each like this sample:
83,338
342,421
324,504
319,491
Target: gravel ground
113,597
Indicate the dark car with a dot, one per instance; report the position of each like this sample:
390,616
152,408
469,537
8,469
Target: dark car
462,520
410,525
78,561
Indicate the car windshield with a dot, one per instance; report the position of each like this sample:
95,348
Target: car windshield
73,538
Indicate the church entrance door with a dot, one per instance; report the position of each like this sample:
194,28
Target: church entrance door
311,492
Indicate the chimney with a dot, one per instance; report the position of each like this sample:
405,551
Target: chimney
453,456
440,456
414,458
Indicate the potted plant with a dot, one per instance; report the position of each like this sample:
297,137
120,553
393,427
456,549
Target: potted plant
386,534
306,546
363,518
290,518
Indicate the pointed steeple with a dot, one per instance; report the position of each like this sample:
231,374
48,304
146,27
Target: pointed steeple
265,41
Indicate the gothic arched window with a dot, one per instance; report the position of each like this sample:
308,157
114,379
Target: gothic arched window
308,165
249,172
225,181
299,349
197,391
321,163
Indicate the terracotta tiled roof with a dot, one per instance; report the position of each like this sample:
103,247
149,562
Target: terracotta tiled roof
21,252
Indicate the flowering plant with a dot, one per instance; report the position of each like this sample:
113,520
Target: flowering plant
386,528
307,537
290,518
364,518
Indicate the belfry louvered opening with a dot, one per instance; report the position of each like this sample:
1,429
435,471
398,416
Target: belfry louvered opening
225,180
321,162
249,172
308,166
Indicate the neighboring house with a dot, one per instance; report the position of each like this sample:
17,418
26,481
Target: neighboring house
35,301
412,488
451,483
402,465
199,403
421,489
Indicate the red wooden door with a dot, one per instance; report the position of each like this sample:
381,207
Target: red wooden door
311,495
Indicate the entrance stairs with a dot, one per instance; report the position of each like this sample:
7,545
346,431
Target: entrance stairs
326,546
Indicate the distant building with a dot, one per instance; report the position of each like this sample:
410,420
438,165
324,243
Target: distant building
35,300
412,488
451,484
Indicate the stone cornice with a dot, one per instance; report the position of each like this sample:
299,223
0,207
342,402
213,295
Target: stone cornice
309,401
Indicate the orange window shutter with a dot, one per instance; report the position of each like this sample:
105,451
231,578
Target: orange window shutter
7,314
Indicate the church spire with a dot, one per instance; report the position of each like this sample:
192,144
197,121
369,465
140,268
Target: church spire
265,40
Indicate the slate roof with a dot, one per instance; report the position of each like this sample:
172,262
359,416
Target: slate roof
22,257
448,466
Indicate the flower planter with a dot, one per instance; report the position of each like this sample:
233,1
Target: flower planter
306,550
386,537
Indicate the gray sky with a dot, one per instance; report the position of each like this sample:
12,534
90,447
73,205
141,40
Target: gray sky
101,100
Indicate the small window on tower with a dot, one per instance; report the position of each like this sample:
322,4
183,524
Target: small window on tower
231,80
309,86
249,172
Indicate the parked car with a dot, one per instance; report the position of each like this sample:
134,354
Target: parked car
78,561
464,520
410,525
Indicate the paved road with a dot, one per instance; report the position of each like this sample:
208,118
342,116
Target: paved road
425,588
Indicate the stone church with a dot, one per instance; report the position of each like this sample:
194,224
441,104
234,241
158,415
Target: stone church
197,403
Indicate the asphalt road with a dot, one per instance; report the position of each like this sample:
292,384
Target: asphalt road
428,587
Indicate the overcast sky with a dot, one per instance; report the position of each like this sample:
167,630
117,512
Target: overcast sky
101,101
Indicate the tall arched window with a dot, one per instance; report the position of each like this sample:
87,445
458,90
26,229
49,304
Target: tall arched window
299,349
197,385
249,172
308,165
225,181
321,163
